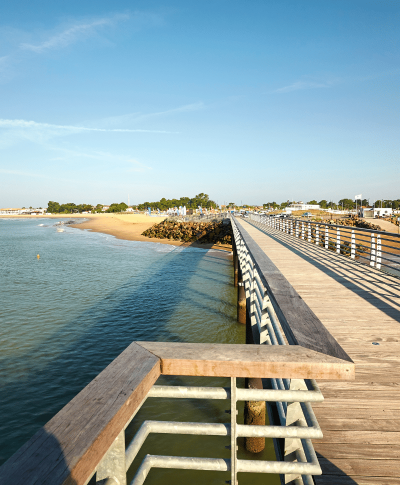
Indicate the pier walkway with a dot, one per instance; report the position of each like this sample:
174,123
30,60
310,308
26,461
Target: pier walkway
360,307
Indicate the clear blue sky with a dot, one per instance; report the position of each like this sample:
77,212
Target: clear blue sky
247,101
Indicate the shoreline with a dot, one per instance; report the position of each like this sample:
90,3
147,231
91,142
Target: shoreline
121,226
131,226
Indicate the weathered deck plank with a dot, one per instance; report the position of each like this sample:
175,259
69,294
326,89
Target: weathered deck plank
358,305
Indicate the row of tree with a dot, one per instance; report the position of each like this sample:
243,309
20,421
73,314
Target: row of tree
345,204
71,208
201,199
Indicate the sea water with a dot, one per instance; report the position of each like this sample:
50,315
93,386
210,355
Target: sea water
65,315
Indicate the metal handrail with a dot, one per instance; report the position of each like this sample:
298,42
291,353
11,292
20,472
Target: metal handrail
364,245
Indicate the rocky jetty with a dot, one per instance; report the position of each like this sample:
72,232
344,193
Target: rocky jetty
353,222
201,232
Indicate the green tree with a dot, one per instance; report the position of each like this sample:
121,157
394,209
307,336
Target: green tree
115,207
312,202
53,207
347,204
323,204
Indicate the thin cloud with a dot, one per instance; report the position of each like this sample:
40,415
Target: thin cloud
69,128
133,117
299,85
102,157
73,34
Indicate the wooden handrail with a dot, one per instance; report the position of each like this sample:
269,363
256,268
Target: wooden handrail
299,323
71,445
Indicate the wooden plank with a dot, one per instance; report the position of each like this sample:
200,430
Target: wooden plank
354,480
229,360
365,468
367,437
360,451
355,424
70,446
300,324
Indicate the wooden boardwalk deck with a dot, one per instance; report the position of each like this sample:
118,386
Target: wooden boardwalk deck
359,306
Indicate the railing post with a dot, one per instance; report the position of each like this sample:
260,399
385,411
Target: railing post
317,235
326,237
302,230
233,433
297,228
353,245
378,251
309,232
338,240
112,466
293,414
373,251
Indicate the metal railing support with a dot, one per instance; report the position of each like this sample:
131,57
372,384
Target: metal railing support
353,245
338,240
373,251
112,467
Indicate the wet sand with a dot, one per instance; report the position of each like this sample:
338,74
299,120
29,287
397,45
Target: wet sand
131,226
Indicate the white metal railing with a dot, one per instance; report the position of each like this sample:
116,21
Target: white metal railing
377,249
295,395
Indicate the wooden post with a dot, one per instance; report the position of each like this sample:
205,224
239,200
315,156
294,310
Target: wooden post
236,269
254,414
241,303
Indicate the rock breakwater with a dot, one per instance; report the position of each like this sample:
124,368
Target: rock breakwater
201,232
353,222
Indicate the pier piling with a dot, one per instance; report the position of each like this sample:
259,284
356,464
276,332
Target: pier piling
241,303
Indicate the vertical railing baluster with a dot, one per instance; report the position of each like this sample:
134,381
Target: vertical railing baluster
113,463
378,251
353,245
317,235
302,230
233,433
338,240
372,251
309,232
326,237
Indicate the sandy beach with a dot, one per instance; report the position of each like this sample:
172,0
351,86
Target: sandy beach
122,226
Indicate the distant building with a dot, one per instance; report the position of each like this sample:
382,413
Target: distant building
375,212
300,206
15,212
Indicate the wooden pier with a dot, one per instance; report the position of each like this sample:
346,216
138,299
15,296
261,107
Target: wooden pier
360,307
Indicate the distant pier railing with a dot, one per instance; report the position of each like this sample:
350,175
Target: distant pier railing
379,249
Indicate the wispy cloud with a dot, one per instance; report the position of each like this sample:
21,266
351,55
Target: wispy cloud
130,164
305,84
133,117
73,34
33,125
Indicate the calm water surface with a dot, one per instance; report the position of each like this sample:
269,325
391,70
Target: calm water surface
66,316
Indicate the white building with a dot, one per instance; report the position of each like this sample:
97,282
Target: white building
300,206
14,212
375,212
